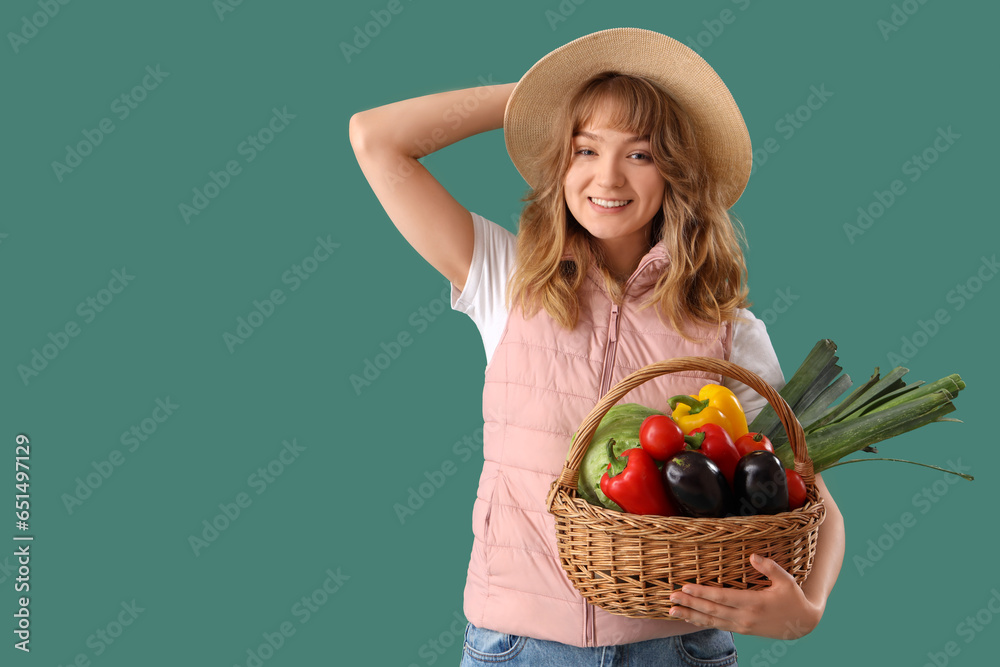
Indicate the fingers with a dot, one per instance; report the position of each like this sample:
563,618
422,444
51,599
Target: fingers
723,597
706,602
704,614
770,569
694,617
718,607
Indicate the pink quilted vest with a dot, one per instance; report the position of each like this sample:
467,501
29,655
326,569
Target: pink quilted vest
540,384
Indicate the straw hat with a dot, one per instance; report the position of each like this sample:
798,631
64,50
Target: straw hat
721,132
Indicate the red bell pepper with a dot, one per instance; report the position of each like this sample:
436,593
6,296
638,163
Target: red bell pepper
716,443
749,442
634,482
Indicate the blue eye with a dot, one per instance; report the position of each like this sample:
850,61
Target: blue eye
587,150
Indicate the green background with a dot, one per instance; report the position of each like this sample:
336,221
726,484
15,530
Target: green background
331,507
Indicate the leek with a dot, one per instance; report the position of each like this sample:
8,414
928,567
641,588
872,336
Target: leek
881,408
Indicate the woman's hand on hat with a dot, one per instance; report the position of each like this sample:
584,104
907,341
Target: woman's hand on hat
780,611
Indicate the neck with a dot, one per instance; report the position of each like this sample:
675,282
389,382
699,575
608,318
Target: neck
622,262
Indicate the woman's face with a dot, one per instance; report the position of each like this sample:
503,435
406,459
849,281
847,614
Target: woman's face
616,170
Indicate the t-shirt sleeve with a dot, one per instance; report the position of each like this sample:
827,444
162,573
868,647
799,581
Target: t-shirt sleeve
483,296
753,351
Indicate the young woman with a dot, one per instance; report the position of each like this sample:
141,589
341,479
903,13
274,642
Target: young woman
625,255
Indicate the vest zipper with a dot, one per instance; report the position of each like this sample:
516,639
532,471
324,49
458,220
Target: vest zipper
609,362
609,355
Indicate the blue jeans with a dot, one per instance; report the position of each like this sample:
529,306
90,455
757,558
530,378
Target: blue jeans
706,647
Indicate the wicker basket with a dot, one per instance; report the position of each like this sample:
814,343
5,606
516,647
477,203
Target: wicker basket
629,564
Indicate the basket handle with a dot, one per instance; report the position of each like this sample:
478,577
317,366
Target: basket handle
569,476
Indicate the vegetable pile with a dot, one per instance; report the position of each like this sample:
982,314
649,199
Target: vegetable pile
700,462
704,460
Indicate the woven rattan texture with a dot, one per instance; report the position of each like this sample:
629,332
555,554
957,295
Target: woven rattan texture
629,564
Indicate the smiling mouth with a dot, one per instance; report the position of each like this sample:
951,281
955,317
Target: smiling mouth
610,203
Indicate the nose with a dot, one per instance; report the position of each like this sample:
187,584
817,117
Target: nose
609,173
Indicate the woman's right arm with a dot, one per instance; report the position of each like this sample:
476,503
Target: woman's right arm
388,142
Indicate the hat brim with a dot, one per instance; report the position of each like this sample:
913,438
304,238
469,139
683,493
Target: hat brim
720,130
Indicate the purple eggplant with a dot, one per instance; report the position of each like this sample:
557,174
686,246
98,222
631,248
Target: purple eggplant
697,486
760,484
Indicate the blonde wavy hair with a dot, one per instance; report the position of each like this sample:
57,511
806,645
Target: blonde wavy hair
706,276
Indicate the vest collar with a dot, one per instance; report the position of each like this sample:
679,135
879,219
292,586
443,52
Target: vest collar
645,275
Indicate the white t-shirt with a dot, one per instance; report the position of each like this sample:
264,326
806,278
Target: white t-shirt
483,301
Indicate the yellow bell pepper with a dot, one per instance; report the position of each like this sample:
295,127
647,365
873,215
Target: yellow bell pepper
714,404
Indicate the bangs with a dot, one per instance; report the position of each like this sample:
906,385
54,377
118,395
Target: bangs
624,103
